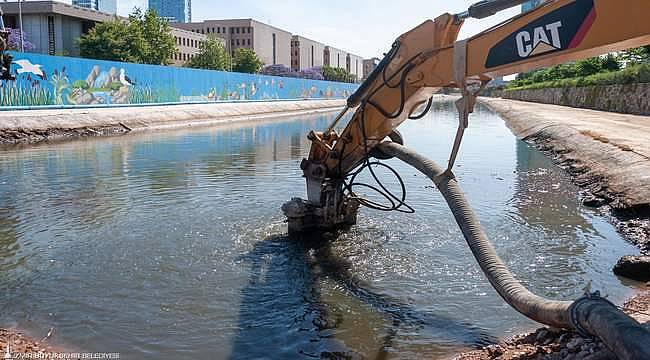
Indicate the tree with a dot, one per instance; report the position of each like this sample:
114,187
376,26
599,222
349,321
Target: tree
212,56
634,56
144,38
338,74
14,41
246,61
112,40
159,44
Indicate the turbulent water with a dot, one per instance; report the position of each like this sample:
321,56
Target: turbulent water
172,246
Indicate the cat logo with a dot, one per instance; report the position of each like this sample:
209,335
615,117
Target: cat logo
543,39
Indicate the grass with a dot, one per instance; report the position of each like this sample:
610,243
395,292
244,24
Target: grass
19,96
630,75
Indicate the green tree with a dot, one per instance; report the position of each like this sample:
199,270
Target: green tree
212,56
246,61
112,40
338,74
634,56
159,45
144,38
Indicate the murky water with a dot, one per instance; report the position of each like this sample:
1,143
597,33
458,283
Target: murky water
172,246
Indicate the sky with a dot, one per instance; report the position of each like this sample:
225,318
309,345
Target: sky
363,27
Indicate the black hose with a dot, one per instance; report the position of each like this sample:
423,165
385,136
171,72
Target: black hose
590,315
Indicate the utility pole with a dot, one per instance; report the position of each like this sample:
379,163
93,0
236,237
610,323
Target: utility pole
20,19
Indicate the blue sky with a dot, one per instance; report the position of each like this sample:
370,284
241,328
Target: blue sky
364,27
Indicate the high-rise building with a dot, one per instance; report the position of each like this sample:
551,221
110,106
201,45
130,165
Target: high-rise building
530,5
105,6
176,11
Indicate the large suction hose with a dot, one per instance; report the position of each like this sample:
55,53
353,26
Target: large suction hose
590,315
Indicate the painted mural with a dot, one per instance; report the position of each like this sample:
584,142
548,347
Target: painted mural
56,80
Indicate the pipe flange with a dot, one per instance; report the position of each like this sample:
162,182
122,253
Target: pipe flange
573,310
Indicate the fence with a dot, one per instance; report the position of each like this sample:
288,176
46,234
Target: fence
56,80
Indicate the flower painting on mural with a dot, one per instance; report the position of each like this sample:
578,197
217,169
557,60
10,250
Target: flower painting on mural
55,80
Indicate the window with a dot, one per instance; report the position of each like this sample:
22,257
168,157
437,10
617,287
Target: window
183,41
249,30
232,42
203,31
218,30
213,30
232,30
249,42
274,50
237,30
237,42
224,30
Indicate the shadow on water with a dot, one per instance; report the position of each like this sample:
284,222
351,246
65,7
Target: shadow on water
282,306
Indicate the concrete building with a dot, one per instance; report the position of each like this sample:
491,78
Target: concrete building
306,53
341,59
272,45
176,11
188,44
53,27
105,6
368,66
531,4
354,65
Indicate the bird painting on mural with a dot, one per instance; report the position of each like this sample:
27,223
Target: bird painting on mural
27,67
125,79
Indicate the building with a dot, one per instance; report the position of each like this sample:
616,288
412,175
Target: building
369,66
531,4
105,6
188,44
272,45
306,53
341,59
53,27
176,11
354,65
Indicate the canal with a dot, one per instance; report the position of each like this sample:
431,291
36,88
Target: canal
172,245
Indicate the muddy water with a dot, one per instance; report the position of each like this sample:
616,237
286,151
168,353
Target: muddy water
172,246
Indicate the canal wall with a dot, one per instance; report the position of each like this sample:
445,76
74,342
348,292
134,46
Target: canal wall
20,126
607,153
43,80
623,98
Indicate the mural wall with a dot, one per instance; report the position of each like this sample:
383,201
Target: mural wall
55,80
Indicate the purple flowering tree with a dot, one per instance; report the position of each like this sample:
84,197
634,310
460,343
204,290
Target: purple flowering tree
14,41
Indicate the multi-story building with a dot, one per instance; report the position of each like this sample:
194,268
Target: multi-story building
306,53
369,66
176,11
272,45
53,27
531,4
341,59
188,44
105,6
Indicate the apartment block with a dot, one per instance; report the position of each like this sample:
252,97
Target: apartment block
306,53
272,45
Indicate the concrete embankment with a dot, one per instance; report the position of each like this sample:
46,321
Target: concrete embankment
608,154
30,126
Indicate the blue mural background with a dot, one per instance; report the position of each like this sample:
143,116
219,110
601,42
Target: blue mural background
67,81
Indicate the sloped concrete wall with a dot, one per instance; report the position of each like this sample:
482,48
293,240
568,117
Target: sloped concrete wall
626,99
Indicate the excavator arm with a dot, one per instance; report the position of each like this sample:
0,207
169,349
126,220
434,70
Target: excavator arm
429,57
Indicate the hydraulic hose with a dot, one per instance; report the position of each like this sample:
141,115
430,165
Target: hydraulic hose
589,315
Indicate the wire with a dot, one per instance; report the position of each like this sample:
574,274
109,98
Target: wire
397,203
424,112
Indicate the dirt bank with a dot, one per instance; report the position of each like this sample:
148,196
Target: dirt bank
32,126
554,344
608,155
17,342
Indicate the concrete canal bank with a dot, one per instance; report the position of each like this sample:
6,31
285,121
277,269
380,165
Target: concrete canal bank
31,126
607,153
